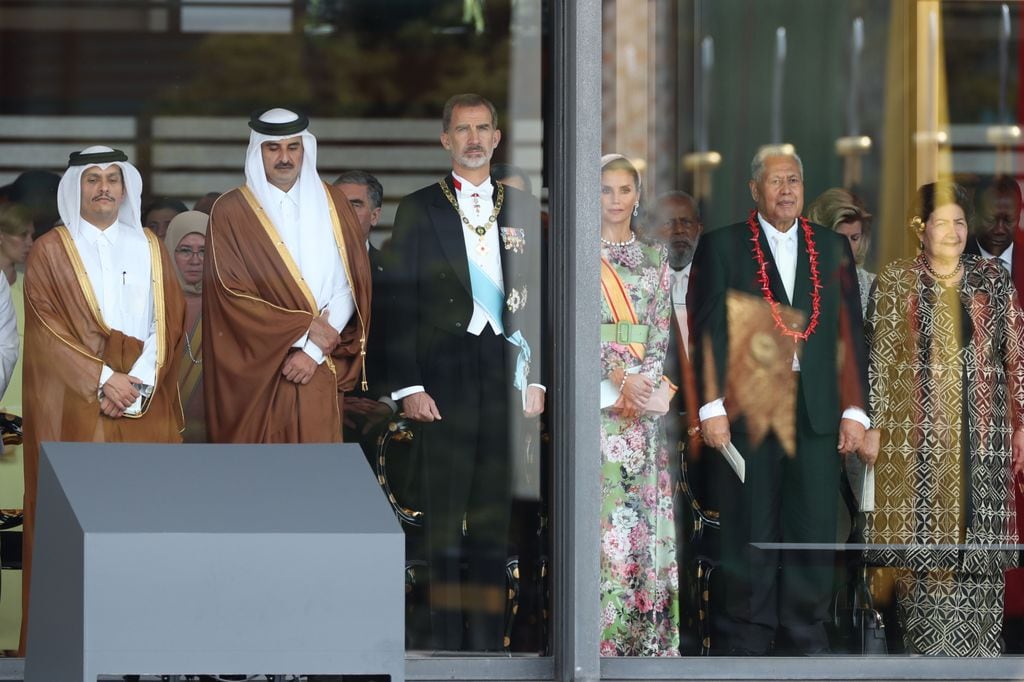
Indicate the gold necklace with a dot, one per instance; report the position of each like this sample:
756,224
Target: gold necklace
481,230
188,347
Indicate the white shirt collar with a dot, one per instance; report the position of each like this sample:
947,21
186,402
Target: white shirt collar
1006,256
680,285
774,233
464,186
91,234
685,272
280,195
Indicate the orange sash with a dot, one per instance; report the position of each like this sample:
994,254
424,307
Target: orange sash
618,300
622,310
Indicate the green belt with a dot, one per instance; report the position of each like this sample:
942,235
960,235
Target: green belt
624,332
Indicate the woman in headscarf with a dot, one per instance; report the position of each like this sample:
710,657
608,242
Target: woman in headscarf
186,240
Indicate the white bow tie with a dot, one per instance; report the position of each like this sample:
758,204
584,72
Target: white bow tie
469,189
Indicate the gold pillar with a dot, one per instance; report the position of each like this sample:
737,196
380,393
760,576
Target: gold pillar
915,146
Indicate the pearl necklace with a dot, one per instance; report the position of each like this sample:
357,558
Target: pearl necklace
632,238
933,273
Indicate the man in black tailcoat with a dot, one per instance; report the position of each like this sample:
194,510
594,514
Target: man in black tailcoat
463,357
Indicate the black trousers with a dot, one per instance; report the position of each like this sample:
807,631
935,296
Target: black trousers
465,465
773,595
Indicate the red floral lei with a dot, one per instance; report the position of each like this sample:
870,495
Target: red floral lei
766,291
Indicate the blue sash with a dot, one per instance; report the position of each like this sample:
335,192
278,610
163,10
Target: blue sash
491,298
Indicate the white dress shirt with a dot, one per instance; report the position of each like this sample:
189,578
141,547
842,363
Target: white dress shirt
1006,257
329,284
117,261
784,247
476,203
8,335
680,284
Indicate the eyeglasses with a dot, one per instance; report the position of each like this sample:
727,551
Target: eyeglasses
684,223
188,253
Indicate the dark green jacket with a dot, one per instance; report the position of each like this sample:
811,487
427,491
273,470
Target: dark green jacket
725,260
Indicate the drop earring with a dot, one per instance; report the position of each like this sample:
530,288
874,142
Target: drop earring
636,209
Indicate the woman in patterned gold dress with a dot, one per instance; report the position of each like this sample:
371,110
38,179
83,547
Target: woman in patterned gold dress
947,396
639,575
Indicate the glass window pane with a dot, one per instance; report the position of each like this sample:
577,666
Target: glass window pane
710,105
460,317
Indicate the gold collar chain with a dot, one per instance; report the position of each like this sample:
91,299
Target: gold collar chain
481,230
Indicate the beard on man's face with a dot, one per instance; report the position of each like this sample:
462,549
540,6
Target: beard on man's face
680,254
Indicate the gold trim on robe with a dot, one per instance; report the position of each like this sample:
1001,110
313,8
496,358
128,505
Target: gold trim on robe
282,248
339,239
83,276
156,275
159,302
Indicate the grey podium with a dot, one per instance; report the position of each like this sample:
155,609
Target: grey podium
216,559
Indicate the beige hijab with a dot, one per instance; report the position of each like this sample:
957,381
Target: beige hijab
181,225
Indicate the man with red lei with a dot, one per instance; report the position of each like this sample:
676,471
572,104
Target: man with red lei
774,599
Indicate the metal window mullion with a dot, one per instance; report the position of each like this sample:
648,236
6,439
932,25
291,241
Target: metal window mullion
575,279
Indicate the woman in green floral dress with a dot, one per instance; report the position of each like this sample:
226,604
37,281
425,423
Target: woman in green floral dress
639,574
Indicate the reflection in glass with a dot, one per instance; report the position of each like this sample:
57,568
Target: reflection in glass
639,570
942,326
464,370
903,94
374,84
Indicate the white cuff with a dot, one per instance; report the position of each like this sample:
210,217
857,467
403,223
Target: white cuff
105,375
541,387
407,391
313,351
716,408
857,415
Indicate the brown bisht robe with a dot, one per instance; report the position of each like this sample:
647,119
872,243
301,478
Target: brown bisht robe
66,345
255,306
190,386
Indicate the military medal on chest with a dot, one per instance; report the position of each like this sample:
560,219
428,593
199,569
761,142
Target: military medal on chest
480,230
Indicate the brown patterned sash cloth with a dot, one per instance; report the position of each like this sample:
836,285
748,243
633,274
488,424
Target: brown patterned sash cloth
760,364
